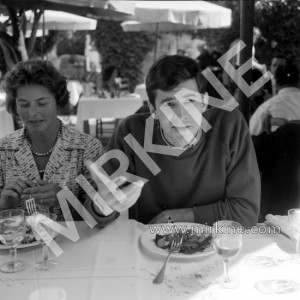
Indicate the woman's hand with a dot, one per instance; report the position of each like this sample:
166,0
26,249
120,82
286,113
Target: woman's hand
44,193
174,215
117,197
12,191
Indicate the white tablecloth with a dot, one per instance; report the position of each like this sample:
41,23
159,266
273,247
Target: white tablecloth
118,108
109,264
6,123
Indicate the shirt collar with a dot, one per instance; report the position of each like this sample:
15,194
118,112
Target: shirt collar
187,146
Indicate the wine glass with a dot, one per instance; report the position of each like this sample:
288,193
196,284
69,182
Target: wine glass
294,222
227,240
12,232
47,264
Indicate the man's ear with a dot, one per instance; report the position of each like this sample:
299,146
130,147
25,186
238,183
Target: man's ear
151,108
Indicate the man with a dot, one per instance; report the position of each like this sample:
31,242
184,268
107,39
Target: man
198,169
285,105
277,60
236,61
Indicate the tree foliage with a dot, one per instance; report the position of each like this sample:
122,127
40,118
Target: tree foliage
124,50
14,47
279,22
222,38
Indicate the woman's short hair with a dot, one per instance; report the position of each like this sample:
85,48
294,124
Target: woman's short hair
171,70
38,72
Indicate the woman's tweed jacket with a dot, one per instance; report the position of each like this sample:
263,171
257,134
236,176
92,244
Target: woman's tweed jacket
66,162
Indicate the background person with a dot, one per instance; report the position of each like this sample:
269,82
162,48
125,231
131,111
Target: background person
94,77
277,60
285,105
109,80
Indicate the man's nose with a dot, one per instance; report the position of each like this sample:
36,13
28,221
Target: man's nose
182,112
32,110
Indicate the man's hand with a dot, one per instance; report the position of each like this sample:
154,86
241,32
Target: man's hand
44,193
174,215
119,199
12,191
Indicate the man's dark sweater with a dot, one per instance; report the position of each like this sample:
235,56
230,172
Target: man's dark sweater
218,177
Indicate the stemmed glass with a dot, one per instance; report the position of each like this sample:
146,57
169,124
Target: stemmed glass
47,264
12,232
294,222
227,240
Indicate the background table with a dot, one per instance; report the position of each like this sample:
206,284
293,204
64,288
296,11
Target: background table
6,123
110,264
98,108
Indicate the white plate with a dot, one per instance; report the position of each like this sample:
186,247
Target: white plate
21,246
147,241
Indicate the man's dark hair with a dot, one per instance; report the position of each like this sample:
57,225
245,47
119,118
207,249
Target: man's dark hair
171,70
287,75
35,72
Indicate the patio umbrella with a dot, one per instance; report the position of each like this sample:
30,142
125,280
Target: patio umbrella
97,9
158,16
58,20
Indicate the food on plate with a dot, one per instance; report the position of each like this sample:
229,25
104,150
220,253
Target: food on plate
29,236
192,241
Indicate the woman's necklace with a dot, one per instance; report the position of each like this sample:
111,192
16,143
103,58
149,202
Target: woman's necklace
45,153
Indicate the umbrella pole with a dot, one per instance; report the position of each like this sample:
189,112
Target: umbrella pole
246,35
43,35
156,41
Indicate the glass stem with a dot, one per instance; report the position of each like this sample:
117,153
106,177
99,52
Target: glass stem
226,264
13,254
45,252
298,248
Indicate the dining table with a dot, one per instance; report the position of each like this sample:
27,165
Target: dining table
115,262
93,107
6,122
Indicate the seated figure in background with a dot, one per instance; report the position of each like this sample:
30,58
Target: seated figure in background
45,155
95,78
285,105
109,83
277,60
205,176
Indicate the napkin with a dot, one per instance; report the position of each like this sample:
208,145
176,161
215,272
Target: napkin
282,222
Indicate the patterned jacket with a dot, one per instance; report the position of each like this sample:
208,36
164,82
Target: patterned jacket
66,162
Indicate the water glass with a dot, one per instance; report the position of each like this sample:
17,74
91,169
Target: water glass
12,232
47,264
227,240
294,222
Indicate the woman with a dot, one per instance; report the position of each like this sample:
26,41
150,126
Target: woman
45,155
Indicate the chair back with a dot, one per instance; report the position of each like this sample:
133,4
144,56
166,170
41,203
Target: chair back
278,155
275,123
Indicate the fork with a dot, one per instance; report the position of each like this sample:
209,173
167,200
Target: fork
174,248
30,206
